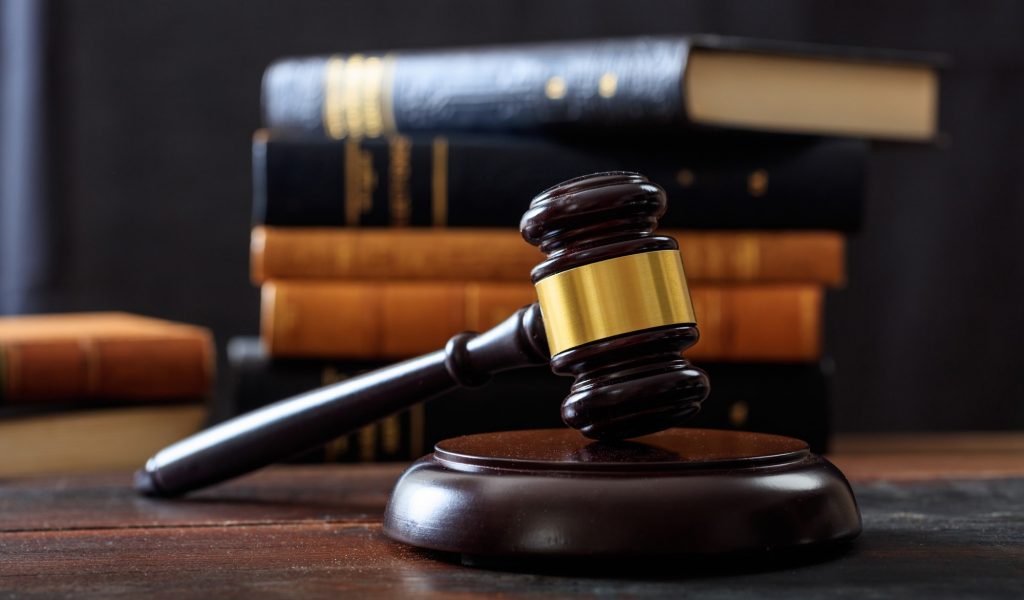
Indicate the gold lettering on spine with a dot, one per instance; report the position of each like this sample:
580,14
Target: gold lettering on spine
360,182
357,96
738,413
391,435
355,82
338,447
439,183
399,174
368,443
757,183
608,85
334,95
555,88
614,296
371,101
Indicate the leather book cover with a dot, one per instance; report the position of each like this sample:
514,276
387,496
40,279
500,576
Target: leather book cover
60,357
393,320
703,80
502,255
737,181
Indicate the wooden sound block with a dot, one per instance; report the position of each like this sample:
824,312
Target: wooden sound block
554,493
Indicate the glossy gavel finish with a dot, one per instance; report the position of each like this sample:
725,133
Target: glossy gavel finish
628,383
632,384
309,420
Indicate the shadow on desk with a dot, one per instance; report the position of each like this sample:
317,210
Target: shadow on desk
649,568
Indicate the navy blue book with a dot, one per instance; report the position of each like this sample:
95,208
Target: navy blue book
713,181
671,83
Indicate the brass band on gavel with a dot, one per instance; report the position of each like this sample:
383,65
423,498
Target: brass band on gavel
612,297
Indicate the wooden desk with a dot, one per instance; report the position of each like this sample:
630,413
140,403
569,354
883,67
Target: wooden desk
945,520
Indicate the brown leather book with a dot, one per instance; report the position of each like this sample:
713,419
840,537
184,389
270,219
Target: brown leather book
391,320
45,358
502,255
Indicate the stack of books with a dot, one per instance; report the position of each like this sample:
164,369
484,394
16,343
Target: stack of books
96,391
388,190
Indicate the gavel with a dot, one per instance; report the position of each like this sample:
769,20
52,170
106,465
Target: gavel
613,311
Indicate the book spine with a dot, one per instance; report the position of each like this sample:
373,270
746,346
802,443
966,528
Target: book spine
713,182
46,371
369,320
636,80
501,255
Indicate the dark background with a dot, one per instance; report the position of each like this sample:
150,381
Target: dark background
126,171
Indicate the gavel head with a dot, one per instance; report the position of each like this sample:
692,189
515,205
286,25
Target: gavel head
615,305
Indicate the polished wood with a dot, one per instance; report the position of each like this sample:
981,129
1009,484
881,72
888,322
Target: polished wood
360,491
303,422
555,493
625,386
632,384
668,451
292,494
314,532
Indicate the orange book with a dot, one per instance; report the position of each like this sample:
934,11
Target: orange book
381,320
102,356
502,255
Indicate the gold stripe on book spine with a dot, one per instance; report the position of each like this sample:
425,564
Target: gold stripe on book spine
439,182
336,449
391,435
357,96
399,174
368,442
614,296
352,98
334,92
360,182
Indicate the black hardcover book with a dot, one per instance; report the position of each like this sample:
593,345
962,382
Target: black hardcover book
702,80
721,181
786,399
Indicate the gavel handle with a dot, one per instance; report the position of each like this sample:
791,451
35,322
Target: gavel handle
303,422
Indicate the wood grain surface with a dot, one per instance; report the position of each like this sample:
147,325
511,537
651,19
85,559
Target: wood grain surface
314,532
292,494
929,456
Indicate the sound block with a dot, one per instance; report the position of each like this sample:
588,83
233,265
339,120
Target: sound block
554,493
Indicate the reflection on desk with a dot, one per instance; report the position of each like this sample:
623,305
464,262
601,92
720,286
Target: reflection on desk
943,517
